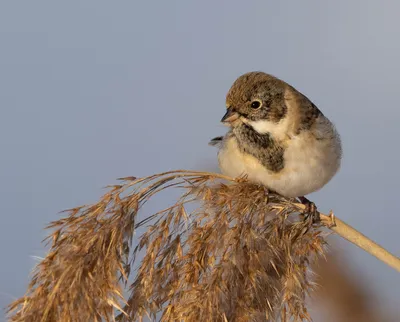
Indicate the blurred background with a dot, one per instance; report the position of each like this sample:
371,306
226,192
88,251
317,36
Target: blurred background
92,91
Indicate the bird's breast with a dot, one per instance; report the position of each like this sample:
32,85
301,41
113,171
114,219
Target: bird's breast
308,164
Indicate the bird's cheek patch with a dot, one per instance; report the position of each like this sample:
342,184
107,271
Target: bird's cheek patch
277,130
261,126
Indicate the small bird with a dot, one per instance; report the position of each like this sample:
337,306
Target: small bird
277,137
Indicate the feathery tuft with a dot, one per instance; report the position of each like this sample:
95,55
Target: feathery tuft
243,254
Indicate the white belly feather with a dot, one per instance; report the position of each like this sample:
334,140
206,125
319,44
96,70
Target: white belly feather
309,165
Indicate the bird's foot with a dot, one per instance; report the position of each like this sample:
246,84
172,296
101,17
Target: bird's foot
310,210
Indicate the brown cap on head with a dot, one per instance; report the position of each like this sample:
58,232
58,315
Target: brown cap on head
246,85
256,96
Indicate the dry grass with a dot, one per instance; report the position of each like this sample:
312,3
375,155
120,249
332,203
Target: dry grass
350,296
344,294
242,255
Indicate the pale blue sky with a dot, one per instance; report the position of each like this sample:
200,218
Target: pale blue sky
95,90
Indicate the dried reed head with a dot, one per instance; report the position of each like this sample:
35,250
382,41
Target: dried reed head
241,255
350,296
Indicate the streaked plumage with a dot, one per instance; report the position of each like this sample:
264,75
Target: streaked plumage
283,142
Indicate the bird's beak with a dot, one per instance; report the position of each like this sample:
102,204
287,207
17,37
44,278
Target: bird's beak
230,116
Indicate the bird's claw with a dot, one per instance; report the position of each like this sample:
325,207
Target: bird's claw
310,210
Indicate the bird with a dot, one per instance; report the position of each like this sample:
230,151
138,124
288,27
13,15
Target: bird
277,137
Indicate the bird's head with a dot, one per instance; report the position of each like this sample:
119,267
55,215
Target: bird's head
257,99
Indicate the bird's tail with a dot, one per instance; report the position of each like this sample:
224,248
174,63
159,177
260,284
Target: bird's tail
216,141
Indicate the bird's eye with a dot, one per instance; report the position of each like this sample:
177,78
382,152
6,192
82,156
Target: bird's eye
256,104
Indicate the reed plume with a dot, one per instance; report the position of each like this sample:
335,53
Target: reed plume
226,250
